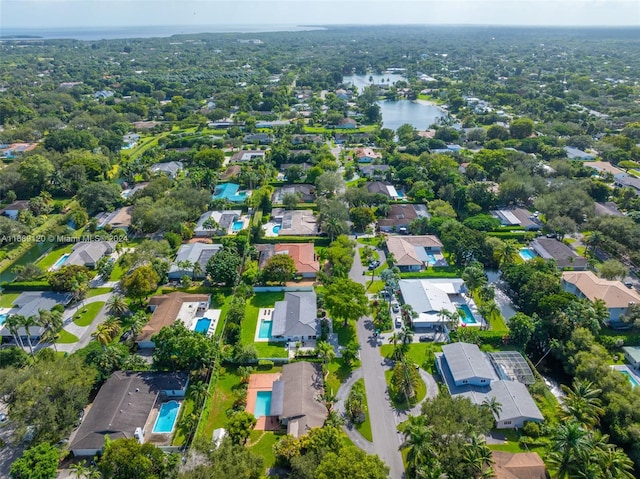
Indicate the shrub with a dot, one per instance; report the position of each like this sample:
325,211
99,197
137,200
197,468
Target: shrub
265,364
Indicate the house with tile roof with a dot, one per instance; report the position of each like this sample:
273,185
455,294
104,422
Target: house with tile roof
303,255
415,253
616,296
518,465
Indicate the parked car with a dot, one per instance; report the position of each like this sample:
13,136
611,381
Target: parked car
398,322
425,338
395,307
373,265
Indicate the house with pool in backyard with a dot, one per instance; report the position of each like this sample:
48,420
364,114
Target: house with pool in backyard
141,405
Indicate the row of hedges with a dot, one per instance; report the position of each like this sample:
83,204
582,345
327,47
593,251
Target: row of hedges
433,272
516,235
317,240
27,286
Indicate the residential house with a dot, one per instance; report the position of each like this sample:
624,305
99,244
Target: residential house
616,296
88,253
577,154
565,257
272,124
259,138
125,407
15,149
295,397
230,172
102,94
295,222
366,155
415,253
296,317
624,180
518,465
430,298
470,373
382,188
400,217
304,165
302,254
169,308
13,210
227,221
347,124
129,192
301,139
130,140
194,253
170,168
632,356
608,208
229,192
29,304
306,193
118,219
343,94
517,217
243,156
373,171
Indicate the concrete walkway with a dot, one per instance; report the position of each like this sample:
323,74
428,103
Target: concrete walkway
341,398
386,439
82,332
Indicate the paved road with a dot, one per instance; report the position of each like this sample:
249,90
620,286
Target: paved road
82,332
386,439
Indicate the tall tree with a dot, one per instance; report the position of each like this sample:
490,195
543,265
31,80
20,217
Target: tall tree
346,300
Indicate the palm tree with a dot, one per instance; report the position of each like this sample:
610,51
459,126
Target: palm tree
52,322
328,399
80,470
474,277
398,350
28,323
334,227
325,351
13,324
594,240
582,403
134,323
418,439
117,306
477,456
197,270
493,405
570,449
105,332
506,252
200,392
614,463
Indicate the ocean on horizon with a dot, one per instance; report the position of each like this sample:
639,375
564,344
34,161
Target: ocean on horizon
111,33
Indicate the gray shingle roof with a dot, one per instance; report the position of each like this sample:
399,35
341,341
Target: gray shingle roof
30,303
466,361
302,385
296,315
514,398
89,252
196,253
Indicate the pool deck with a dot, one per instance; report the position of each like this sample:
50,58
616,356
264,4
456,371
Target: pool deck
263,314
262,382
471,304
159,438
214,316
629,370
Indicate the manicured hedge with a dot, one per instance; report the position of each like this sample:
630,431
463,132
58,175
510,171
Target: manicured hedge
433,272
26,286
317,240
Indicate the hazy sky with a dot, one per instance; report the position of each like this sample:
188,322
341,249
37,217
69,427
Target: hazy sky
97,13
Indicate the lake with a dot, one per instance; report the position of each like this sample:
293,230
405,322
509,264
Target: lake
31,256
396,113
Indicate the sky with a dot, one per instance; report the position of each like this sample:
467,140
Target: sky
124,13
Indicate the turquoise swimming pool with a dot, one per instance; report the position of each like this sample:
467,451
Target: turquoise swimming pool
60,261
3,318
466,316
265,329
526,254
276,229
167,417
263,404
202,325
634,382
237,226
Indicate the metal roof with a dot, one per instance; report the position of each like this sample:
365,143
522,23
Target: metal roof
466,361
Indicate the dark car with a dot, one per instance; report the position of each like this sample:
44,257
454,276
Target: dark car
425,338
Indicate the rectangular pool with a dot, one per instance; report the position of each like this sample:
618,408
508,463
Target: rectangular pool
3,318
167,417
60,261
237,226
263,404
631,378
265,329
202,325
527,254
431,259
466,316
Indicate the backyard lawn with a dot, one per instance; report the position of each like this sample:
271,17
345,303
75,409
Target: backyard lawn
271,349
7,299
221,400
54,255
97,292
261,443
339,372
88,313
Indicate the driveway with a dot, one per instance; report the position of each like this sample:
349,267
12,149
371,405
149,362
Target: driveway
82,332
386,439
341,398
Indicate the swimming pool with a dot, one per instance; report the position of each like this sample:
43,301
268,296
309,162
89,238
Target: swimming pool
466,316
526,254
263,404
3,318
276,229
237,226
202,325
634,382
431,259
265,329
60,261
167,417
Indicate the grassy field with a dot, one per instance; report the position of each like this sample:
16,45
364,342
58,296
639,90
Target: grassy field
271,349
401,403
87,314
224,307
375,287
365,427
345,333
7,299
54,255
261,443
419,353
339,372
97,292
116,273
65,337
221,400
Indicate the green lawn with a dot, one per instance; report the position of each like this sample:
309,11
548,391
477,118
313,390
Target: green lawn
116,273
224,307
345,333
261,443
179,437
339,372
496,320
7,299
401,403
97,292
419,353
370,241
221,400
375,287
272,349
365,427
87,314
65,337
54,255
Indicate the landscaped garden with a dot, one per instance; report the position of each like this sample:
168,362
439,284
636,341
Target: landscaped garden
270,349
86,315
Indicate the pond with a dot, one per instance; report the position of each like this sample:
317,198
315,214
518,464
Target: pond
31,256
418,114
